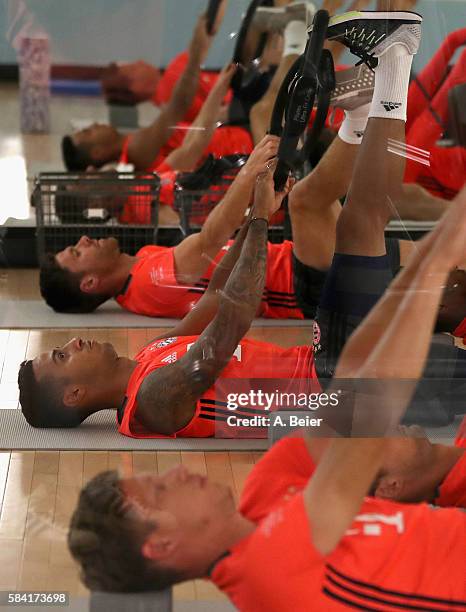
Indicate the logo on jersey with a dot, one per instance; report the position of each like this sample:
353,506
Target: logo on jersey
238,354
390,106
171,358
317,335
163,343
373,524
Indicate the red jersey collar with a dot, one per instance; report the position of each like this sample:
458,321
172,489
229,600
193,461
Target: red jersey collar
452,491
460,331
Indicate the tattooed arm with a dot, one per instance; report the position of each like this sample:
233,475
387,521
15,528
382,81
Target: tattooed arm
205,310
167,398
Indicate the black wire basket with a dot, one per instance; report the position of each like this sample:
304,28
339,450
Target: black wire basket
98,205
198,193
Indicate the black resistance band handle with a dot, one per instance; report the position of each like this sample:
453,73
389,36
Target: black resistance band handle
301,101
326,80
237,80
211,14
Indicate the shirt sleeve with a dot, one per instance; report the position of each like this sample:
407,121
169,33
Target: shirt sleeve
283,471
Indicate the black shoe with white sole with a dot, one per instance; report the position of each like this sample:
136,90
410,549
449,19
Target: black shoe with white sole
370,34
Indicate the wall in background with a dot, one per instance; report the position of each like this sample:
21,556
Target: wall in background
98,31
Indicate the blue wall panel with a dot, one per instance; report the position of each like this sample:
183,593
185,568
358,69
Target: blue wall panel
99,31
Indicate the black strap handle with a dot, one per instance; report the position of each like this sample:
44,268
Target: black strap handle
239,75
296,100
211,14
326,80
279,110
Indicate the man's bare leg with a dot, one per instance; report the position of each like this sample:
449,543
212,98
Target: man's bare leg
378,175
417,204
314,205
361,270
261,113
314,202
375,186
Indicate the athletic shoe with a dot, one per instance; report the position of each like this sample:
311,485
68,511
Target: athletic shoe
370,34
275,19
354,87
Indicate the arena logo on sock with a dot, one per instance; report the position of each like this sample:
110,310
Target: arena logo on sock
390,106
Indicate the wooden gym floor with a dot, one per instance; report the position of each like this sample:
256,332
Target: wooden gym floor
38,490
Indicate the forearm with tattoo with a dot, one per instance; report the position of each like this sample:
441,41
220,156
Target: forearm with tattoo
246,282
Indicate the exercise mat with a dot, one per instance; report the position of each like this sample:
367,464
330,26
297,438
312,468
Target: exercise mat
35,314
99,432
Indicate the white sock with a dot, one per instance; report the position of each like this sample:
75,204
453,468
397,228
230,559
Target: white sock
295,35
391,84
355,122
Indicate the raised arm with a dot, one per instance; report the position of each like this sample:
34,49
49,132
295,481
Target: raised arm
349,466
194,255
146,143
167,398
199,135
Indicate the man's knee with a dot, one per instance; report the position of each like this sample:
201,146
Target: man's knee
353,223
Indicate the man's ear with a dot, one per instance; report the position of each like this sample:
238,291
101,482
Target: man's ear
158,547
89,283
389,487
73,396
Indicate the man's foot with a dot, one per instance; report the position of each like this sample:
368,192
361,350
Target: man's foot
275,19
370,34
354,87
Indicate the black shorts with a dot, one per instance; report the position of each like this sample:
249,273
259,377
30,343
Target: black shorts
309,283
354,285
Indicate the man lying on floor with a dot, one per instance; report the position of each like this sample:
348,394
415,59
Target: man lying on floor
147,533
189,144
136,82
154,533
172,388
167,147
148,148
169,281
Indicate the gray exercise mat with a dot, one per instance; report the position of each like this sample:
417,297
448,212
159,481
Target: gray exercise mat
35,314
99,432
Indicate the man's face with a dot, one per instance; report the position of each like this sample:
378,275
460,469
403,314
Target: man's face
89,256
78,362
407,459
410,451
187,501
96,134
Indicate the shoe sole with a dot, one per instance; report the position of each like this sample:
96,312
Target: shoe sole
376,15
409,34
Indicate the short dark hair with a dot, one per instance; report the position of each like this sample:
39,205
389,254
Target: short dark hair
61,290
42,402
106,537
76,159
